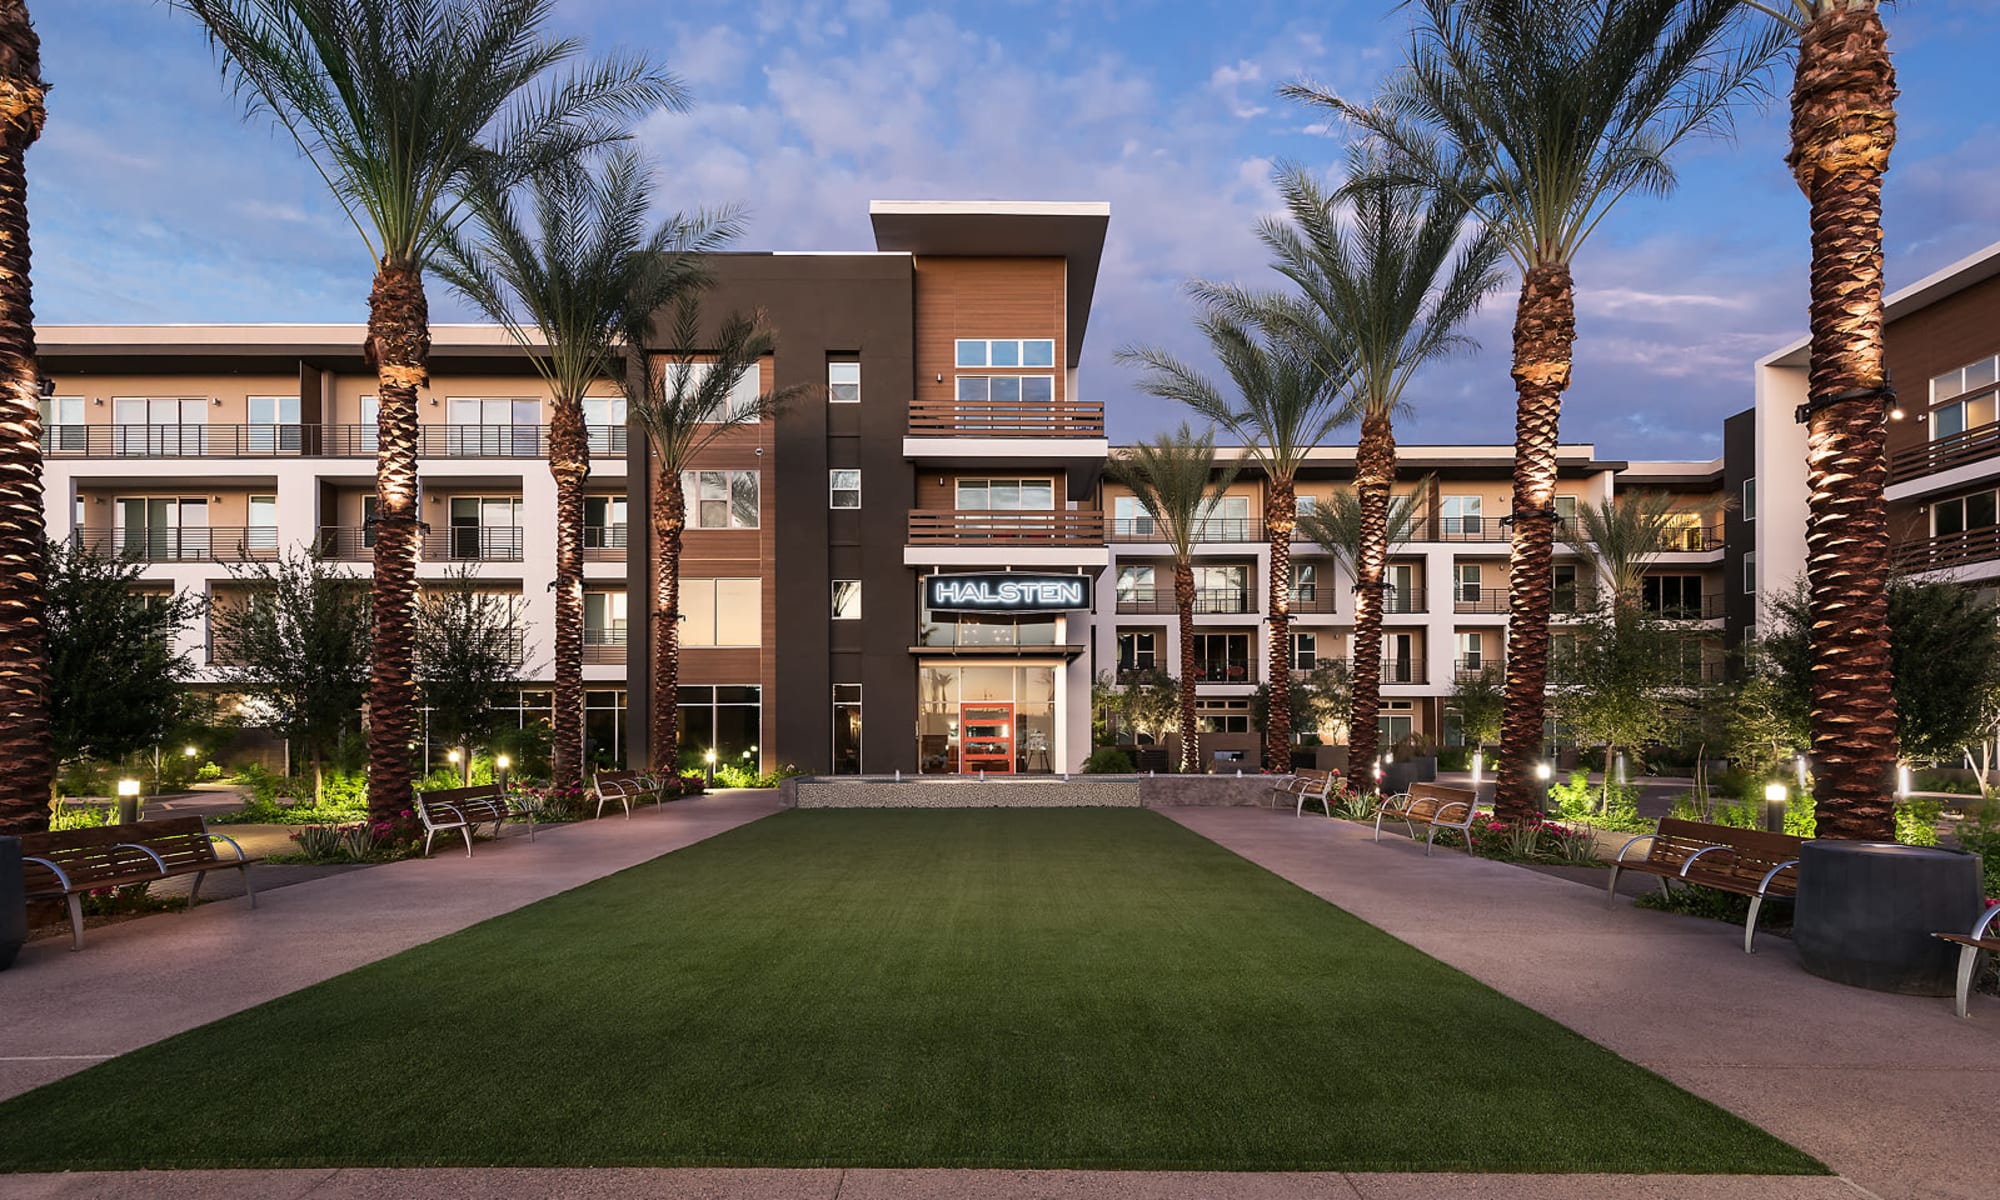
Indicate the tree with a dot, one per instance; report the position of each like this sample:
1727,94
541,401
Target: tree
1540,116
1623,538
1843,126
25,740
1398,280
1621,683
1176,479
298,642
469,655
1145,702
1479,699
114,676
684,403
1287,400
1944,663
561,282
404,107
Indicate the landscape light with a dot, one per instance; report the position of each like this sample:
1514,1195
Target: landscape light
709,758
451,756
1775,793
1544,771
190,751
1903,781
503,762
128,788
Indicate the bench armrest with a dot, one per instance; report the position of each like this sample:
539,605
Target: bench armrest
1773,873
159,862
61,875
1986,922
1644,837
1451,804
1705,850
233,845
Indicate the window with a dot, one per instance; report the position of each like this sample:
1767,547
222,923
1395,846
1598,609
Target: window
148,425
1222,657
604,522
683,378
1684,531
1750,573
603,619
1007,495
1393,731
63,425
1750,499
725,719
1568,598
1460,516
485,427
1222,589
1566,508
262,531
1676,597
1982,374
721,499
1006,352
1399,589
1472,651
1305,651
1306,506
843,381
486,528
1129,518
847,599
158,529
847,729
1305,582
274,424
1465,582
843,488
1135,585
1224,519
1006,389
1962,513
370,430
722,612
1138,650
1222,716
604,417
1969,413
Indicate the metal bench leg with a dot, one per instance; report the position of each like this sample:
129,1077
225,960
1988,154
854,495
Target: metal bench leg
195,891
467,831
429,833
1665,890
1467,831
1968,958
1750,925
1611,893
1378,824
249,889
1430,839
75,922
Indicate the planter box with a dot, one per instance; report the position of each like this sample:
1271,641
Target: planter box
1866,912
13,903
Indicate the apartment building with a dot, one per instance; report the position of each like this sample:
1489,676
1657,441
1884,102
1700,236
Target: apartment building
916,565
1445,604
1941,343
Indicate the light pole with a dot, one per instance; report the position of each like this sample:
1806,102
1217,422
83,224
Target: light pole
500,764
1775,794
709,759
455,758
1543,773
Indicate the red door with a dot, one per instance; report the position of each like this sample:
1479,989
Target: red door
986,738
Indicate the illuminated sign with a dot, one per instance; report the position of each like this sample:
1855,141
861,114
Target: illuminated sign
1009,592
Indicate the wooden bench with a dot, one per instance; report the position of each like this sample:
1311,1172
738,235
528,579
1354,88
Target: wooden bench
1970,944
1307,784
1433,805
625,787
466,809
68,863
1747,862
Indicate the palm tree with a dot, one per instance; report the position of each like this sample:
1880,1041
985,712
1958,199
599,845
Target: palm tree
25,739
1622,539
1176,479
1540,116
1288,386
560,282
401,106
1843,125
684,404
1398,284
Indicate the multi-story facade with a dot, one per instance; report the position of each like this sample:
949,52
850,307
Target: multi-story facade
1941,343
916,565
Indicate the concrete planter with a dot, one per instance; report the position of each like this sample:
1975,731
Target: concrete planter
1866,912
13,902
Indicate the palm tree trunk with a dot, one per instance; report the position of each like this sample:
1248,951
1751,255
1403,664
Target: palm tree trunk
569,462
399,347
25,746
1190,724
669,519
1544,332
1843,125
1374,478
1281,514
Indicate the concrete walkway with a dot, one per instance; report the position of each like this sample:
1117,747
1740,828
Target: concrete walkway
139,981
1895,1093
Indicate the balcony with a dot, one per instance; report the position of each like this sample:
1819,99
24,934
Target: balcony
1470,668
604,543
1942,454
1144,601
1224,671
474,543
963,527
1002,419
604,646
1708,608
1314,599
346,543
307,441
1949,550
1395,670
1212,530
1401,602
216,543
1486,601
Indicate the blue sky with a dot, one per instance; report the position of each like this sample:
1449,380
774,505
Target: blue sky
153,200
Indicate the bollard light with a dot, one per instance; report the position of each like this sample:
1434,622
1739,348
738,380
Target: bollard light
1775,795
189,751
1903,781
1478,763
1544,771
127,788
708,757
452,757
503,762
128,801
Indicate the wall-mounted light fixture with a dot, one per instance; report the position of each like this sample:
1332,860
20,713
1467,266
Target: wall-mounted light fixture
98,401
215,400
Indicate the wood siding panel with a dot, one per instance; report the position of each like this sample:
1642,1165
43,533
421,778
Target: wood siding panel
986,298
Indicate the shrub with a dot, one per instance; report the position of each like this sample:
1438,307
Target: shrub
552,805
1454,758
1745,814
1353,806
1800,820
81,816
692,783
208,773
1108,760
1917,820
1979,832
1529,841
1578,802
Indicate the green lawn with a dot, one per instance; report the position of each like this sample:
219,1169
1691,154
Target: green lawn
1088,988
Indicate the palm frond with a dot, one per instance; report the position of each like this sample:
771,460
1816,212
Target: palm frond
1336,525
692,394
1176,477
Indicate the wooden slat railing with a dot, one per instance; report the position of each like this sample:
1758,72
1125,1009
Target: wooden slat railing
1949,550
1942,454
953,418
962,527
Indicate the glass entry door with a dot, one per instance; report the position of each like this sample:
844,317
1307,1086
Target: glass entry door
986,738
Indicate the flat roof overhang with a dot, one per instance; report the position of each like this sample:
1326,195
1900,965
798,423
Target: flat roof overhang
1004,229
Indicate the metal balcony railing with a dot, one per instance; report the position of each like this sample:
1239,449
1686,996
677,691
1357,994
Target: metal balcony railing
1473,668
1160,600
474,543
1314,598
1398,670
208,543
307,441
1474,599
604,543
604,645
1403,601
1224,671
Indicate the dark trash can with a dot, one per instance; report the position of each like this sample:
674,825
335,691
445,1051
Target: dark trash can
1866,912
13,902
